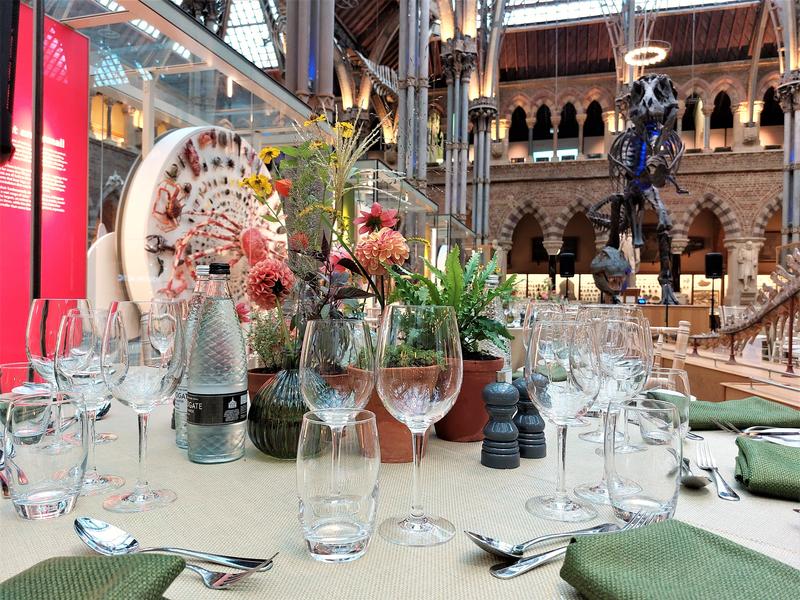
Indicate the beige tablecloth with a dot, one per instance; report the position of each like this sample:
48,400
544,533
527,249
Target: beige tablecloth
249,508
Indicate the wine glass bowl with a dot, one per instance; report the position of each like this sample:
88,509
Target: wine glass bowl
418,376
41,332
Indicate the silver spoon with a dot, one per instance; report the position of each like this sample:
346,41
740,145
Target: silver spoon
106,539
689,479
515,551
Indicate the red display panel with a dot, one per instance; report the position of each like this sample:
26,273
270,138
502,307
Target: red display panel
66,145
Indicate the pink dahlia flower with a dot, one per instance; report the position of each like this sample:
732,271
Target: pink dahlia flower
269,282
335,256
384,246
376,218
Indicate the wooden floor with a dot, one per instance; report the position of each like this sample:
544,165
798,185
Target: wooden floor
708,373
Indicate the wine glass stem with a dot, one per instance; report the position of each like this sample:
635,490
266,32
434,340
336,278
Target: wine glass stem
141,483
561,441
91,469
336,446
417,444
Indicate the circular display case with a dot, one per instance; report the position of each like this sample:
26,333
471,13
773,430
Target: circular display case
183,206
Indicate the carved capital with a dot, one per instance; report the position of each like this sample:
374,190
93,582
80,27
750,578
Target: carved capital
530,122
580,118
679,244
555,120
553,246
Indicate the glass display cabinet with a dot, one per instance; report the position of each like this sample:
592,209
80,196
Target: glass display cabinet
450,231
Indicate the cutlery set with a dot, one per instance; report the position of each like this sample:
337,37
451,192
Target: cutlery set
109,540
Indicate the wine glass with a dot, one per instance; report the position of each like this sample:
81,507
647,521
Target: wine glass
142,361
563,381
631,372
336,372
41,333
77,370
671,385
418,376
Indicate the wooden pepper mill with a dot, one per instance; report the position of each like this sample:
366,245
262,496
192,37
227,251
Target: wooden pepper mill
500,448
529,423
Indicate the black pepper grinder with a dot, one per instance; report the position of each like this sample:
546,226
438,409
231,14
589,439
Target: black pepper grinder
529,423
500,449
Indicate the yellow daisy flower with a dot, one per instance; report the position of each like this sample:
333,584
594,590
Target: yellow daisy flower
317,119
268,154
345,129
318,145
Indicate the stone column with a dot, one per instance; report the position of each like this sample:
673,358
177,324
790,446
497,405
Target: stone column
740,114
707,110
679,118
531,123
553,247
786,98
608,135
742,269
325,70
678,246
556,121
581,118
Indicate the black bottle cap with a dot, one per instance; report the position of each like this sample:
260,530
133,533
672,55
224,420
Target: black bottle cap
219,269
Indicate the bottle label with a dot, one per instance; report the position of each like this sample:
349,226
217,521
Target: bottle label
180,398
216,409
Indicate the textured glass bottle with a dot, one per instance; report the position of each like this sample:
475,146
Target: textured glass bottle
217,400
195,306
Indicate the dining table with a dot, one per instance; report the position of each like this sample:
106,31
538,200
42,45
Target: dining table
250,508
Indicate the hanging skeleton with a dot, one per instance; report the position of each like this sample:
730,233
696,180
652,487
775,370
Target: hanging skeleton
642,159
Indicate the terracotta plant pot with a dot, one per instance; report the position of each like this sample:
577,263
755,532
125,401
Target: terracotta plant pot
394,436
468,417
256,379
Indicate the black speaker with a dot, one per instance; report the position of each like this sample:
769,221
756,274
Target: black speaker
566,264
714,265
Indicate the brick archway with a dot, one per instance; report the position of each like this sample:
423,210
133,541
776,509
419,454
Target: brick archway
579,204
515,215
720,207
765,214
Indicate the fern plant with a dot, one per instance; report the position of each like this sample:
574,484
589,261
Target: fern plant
465,289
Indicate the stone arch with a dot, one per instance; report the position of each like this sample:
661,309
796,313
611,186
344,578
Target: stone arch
697,86
766,212
731,86
770,80
603,97
578,204
515,215
543,96
570,96
518,100
722,208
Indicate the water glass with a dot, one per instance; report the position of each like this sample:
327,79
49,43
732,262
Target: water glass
338,501
671,385
44,477
651,476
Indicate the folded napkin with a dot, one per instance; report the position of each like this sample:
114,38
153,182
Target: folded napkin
768,469
742,413
133,577
674,561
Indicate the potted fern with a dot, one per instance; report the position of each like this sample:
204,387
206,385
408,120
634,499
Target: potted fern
466,289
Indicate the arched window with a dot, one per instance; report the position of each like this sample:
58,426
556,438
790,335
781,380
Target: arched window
722,117
689,120
518,132
543,128
568,127
771,114
594,126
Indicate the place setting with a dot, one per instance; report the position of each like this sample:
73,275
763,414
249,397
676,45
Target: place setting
413,299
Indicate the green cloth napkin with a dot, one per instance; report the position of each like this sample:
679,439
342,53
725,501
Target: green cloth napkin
742,413
768,469
133,577
674,561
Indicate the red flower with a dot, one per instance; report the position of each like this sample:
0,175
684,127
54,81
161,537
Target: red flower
298,241
376,218
243,312
269,282
336,255
284,187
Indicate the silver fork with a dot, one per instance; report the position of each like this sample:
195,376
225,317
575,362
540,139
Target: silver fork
775,438
705,460
523,565
217,580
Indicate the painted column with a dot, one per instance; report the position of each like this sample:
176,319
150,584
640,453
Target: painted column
303,50
581,118
787,104
291,41
794,224
466,73
148,116
325,67
402,81
556,121
707,110
448,140
422,92
411,71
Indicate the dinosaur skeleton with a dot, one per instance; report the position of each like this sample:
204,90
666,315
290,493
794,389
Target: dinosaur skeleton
642,159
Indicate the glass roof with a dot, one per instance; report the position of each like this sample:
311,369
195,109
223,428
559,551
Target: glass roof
248,33
533,12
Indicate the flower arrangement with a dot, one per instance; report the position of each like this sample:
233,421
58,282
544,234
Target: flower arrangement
326,274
